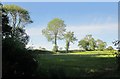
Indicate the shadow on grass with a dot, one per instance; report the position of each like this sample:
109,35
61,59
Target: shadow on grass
77,67
73,67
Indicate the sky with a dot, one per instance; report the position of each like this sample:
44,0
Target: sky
60,0
97,18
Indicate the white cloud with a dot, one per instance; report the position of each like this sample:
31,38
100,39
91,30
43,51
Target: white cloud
93,28
34,31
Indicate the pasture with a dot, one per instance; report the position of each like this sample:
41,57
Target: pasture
89,64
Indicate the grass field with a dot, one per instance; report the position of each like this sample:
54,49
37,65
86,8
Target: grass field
76,65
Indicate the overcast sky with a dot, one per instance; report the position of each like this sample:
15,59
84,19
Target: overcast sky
97,18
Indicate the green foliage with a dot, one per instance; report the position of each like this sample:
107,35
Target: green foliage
14,28
38,52
89,43
110,48
17,62
92,44
117,43
54,31
100,44
21,35
19,16
55,49
6,29
83,44
69,37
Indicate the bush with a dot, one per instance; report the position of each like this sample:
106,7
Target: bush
17,62
55,49
110,48
40,52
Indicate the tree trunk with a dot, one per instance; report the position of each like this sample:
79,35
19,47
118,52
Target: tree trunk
67,46
55,41
56,48
118,61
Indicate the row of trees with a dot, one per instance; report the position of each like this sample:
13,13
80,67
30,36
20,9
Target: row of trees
89,43
56,31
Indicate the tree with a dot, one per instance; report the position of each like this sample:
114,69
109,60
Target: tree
54,31
69,37
87,43
18,17
100,44
117,43
83,44
15,57
91,42
6,29
110,48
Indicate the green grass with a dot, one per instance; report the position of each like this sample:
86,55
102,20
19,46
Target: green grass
91,53
79,64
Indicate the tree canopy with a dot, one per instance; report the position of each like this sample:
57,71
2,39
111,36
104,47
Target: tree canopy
89,43
54,31
15,56
18,16
100,44
110,48
69,37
